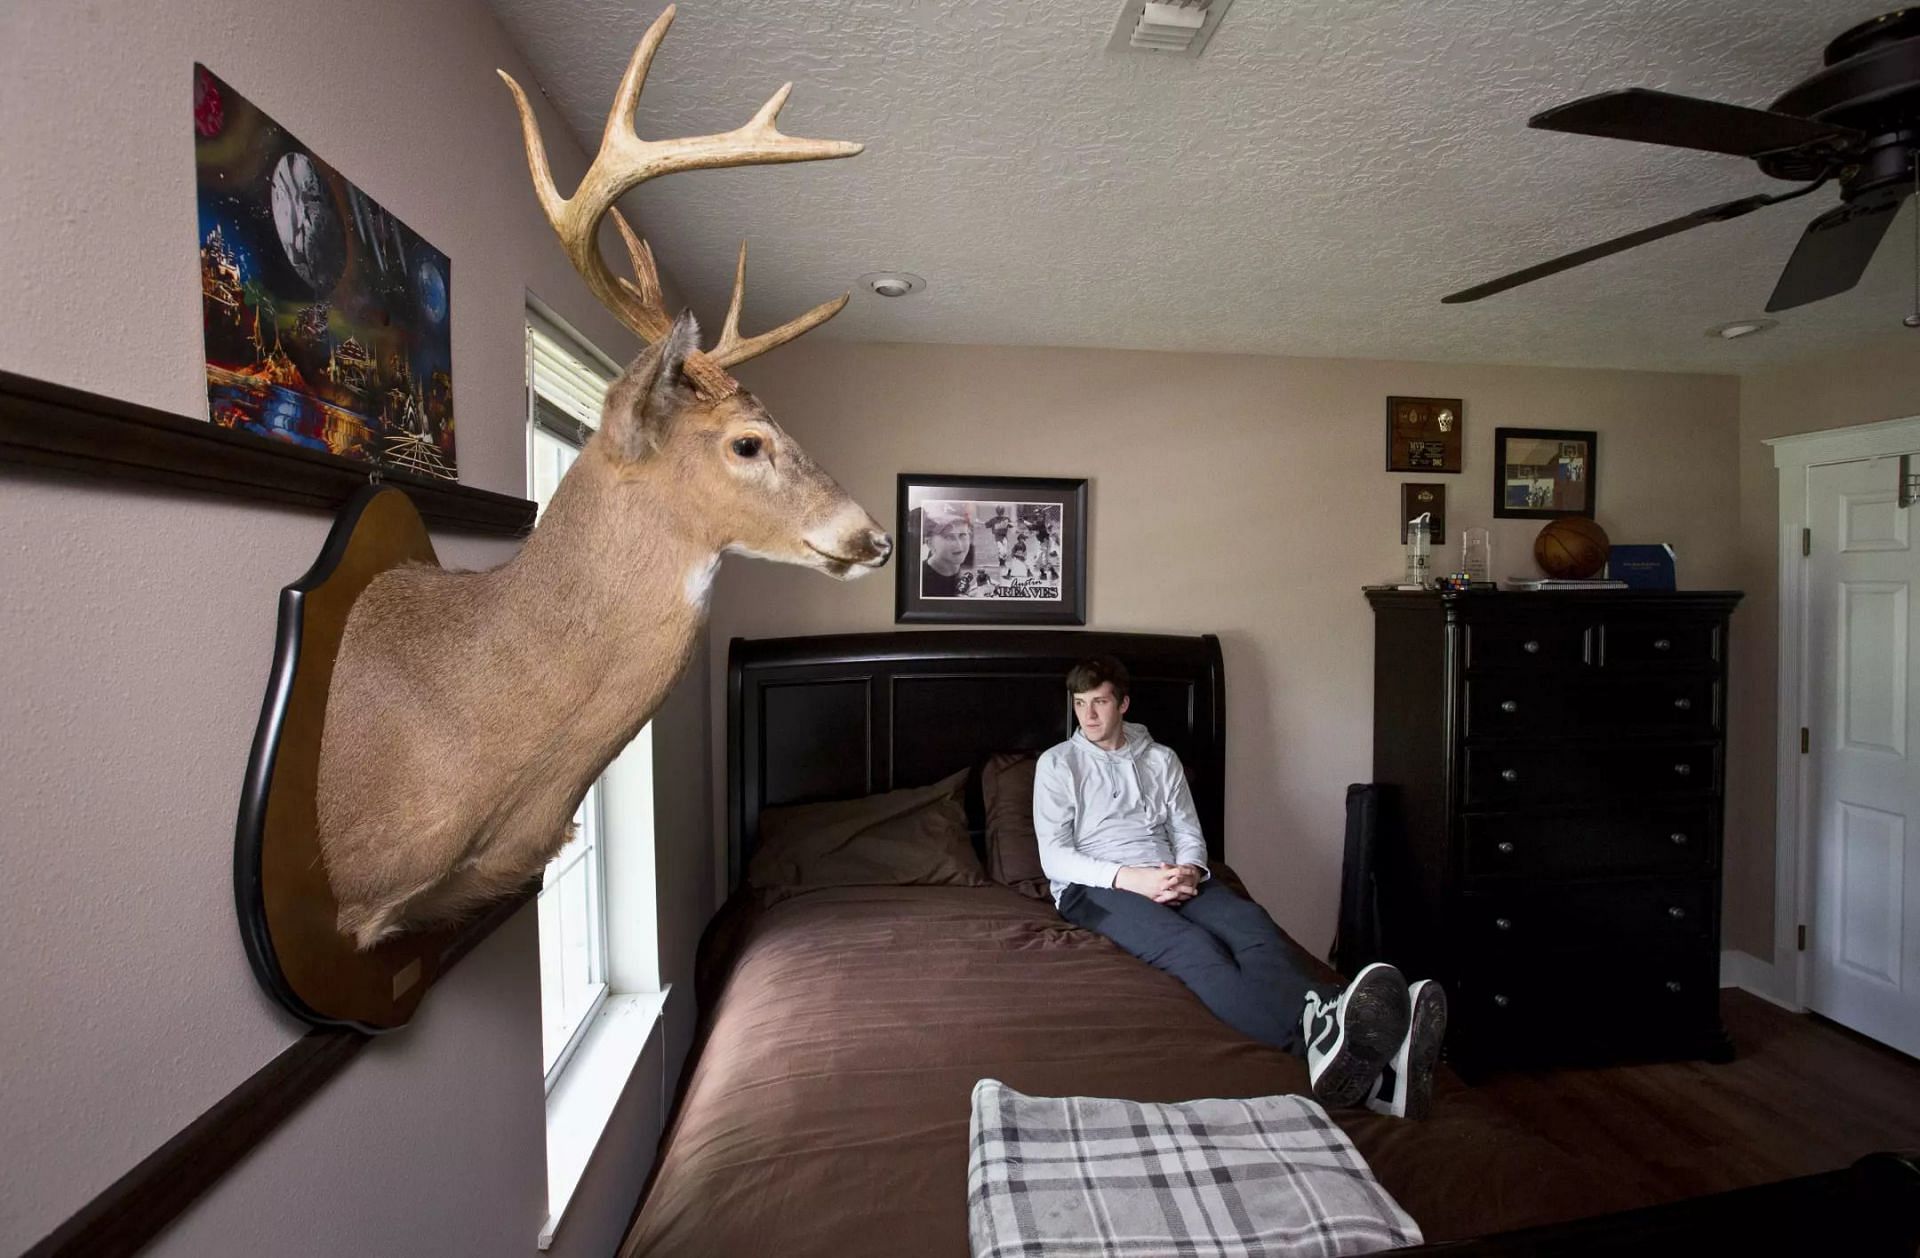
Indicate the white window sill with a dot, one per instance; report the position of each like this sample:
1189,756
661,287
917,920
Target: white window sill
583,1097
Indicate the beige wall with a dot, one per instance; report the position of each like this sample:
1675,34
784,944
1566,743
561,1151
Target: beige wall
139,628
1859,388
1240,496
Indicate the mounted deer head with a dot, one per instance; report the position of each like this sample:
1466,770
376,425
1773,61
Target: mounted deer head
470,712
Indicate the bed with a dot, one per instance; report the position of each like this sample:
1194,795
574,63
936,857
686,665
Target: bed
844,1028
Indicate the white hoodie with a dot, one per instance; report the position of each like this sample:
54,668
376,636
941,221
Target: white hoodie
1097,810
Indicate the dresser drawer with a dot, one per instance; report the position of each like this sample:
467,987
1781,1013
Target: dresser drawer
1608,919
1679,705
1517,776
1633,642
1534,646
1601,1008
1588,845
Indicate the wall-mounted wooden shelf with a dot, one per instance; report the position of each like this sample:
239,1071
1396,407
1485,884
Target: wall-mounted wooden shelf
54,426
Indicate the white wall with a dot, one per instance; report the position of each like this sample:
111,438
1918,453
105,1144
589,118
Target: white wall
1240,496
139,628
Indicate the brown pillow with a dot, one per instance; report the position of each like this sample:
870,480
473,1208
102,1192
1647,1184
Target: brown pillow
911,837
1013,848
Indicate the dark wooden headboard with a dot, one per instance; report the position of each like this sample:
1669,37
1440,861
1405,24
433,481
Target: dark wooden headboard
845,715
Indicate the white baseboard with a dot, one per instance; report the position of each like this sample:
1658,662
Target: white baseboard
1750,974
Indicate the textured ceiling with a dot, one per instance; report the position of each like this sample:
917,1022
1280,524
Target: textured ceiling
1312,185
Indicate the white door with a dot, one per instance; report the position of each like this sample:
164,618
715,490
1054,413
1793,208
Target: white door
1863,785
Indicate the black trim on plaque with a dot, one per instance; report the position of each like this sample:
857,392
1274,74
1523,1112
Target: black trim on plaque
250,827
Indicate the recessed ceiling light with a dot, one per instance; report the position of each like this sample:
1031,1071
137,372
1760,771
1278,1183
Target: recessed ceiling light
892,283
1742,327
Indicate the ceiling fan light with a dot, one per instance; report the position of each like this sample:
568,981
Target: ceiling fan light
1742,328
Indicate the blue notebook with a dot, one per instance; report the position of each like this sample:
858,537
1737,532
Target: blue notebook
1648,567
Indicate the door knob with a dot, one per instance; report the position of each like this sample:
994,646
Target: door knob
1509,705
1509,775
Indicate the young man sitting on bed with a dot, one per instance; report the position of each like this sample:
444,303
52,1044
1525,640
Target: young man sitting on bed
1121,842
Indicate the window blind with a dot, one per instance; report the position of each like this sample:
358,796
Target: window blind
568,385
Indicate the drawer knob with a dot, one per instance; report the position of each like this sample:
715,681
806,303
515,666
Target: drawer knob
1509,705
1531,646
1678,838
1683,769
1673,985
1503,923
1684,705
1505,847
1662,644
1501,1000
1676,912
1509,775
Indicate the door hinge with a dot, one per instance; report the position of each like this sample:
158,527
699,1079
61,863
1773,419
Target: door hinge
1806,541
1805,740
1803,938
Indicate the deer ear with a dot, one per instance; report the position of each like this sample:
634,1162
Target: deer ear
643,401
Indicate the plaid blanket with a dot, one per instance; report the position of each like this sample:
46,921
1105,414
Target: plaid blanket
1076,1177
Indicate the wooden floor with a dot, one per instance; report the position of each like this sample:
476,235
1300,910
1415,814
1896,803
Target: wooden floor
1802,1096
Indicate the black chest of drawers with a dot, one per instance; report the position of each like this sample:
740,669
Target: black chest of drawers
1550,845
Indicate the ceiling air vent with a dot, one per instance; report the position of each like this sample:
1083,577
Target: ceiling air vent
1179,27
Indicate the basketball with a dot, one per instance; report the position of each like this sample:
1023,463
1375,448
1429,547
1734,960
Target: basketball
1571,548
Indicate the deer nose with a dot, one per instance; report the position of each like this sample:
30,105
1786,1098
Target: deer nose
881,545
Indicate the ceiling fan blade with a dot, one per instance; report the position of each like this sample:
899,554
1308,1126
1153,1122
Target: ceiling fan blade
1638,113
1833,252
1619,244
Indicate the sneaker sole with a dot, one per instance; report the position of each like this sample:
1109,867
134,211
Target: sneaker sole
1423,1053
1371,1029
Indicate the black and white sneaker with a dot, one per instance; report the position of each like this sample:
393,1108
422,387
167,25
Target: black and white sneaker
1351,1036
1405,1088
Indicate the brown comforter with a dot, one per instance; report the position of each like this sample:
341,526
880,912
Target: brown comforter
827,1113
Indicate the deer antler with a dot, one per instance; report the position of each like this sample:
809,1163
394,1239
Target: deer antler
624,162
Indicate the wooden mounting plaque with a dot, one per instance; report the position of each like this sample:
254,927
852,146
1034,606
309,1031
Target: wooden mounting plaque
286,906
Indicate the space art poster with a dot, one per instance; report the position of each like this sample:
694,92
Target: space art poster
326,317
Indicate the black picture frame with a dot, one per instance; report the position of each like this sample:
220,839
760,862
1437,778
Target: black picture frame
1026,556
1570,484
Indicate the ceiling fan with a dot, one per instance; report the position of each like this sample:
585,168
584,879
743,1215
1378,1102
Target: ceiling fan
1855,123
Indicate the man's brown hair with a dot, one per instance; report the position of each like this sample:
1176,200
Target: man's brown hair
1089,674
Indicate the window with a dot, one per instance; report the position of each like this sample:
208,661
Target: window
565,389
601,999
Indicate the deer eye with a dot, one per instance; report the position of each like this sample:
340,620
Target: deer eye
746,447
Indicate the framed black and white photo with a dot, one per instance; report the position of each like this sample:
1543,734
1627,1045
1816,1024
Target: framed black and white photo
1543,473
991,550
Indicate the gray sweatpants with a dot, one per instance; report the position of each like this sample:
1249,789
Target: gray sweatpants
1223,946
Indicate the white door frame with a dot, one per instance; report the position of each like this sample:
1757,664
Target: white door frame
1794,458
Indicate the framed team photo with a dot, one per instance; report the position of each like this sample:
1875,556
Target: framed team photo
991,550
1543,473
